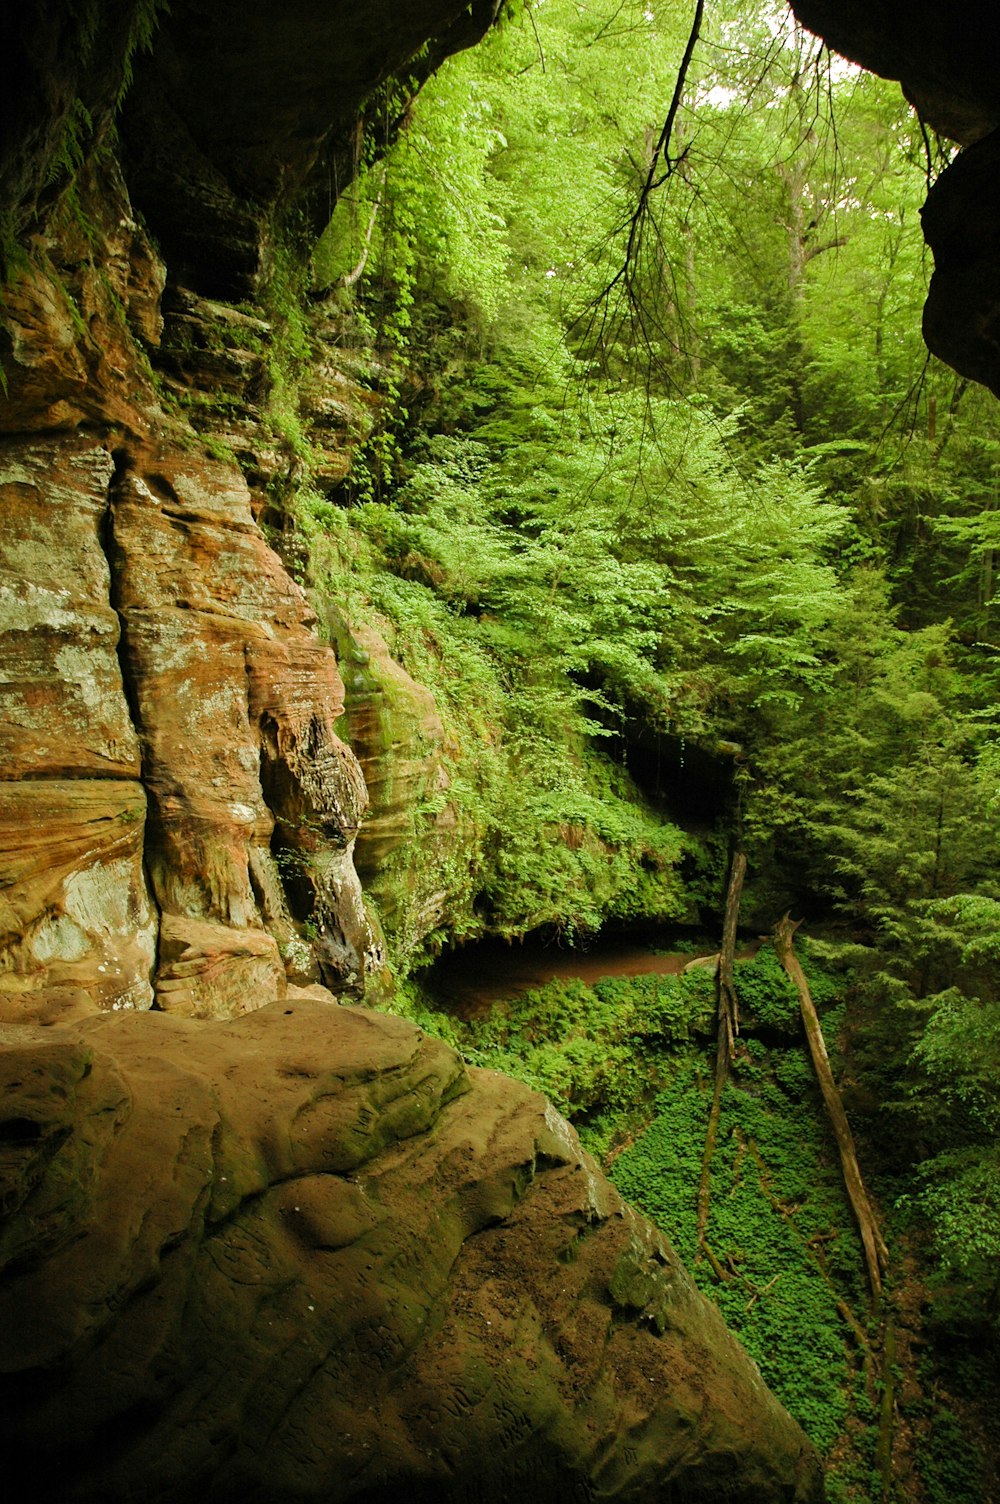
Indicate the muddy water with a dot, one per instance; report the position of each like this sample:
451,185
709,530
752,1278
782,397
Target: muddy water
468,982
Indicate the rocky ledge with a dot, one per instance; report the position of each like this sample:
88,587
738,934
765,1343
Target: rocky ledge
306,1254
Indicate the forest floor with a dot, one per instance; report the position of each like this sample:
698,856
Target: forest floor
619,1036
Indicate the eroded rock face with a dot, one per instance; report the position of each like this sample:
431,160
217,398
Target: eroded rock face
167,712
400,741
157,651
74,901
153,640
63,712
216,630
948,61
343,1268
245,109
75,908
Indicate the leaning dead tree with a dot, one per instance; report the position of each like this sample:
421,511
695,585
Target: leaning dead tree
728,1016
876,1253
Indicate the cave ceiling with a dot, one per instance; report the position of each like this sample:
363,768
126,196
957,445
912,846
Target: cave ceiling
947,58
247,116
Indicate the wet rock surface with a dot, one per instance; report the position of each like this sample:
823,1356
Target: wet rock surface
307,1255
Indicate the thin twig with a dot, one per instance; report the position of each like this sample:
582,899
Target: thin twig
538,40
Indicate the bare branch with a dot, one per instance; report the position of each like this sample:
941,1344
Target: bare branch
812,251
662,148
538,40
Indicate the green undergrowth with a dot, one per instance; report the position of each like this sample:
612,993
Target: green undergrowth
596,1051
545,828
630,1060
780,1226
950,1464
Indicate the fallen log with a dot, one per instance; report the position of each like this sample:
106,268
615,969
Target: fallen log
876,1253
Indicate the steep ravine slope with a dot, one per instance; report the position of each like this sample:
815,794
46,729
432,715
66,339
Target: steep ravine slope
255,1244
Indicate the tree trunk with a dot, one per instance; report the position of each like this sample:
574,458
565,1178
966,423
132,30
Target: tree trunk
729,1008
883,1449
876,1253
728,1015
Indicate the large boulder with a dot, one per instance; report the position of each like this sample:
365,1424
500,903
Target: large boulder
307,1255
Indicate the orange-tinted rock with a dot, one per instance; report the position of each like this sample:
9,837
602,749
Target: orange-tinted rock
63,711
233,695
70,316
236,700
192,663
74,907
305,1255
215,971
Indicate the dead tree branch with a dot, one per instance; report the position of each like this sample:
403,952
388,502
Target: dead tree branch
876,1253
348,279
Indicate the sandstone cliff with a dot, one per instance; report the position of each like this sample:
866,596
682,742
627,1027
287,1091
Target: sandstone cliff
301,1253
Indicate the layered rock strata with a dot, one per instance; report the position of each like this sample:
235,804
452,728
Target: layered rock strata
157,651
175,804
298,1253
